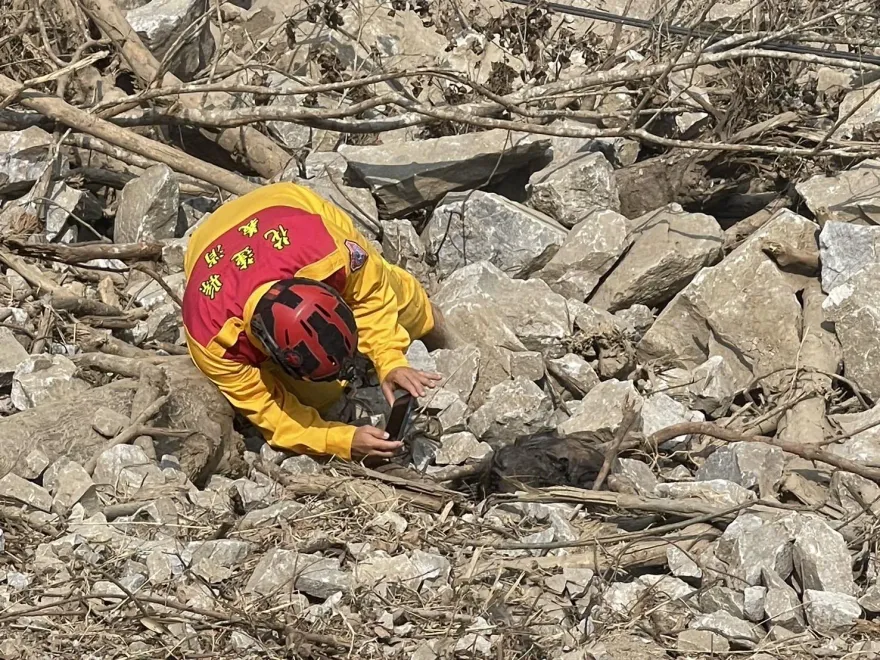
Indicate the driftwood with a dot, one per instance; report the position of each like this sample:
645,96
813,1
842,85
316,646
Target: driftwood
260,152
77,253
808,452
81,120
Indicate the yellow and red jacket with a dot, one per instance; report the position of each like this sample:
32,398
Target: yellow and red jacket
279,232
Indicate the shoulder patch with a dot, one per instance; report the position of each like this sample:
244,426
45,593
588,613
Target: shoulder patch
357,255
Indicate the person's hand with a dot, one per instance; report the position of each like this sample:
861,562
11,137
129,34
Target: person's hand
370,441
409,379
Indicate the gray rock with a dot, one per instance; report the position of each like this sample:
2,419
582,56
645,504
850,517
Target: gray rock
845,248
161,23
708,387
301,465
681,564
751,544
660,411
849,196
701,641
853,308
574,372
822,559
636,321
622,601
69,483
722,599
753,603
589,251
148,206
864,445
32,466
860,112
852,492
480,226
419,357
512,408
272,515
44,378
280,572
256,495
108,422
23,157
574,188
603,409
409,175
484,305
459,368
216,560
150,295
401,243
670,247
870,600
69,202
782,606
12,354
722,310
15,488
724,494
458,448
740,634
638,473
748,464
829,612
127,469
525,364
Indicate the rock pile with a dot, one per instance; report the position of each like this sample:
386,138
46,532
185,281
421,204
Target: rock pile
656,435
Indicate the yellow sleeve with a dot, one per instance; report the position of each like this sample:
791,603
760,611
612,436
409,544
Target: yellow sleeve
380,336
284,421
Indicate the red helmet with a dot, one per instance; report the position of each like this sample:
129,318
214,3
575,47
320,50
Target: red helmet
307,329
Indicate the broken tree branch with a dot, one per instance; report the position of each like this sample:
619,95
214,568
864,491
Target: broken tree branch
808,452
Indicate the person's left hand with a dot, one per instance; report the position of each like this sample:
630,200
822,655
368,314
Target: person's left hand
409,379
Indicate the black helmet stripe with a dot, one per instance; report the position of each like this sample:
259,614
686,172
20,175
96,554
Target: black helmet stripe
329,337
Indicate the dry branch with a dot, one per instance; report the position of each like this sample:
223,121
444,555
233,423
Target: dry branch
260,152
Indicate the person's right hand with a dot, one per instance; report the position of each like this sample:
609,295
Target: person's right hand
370,441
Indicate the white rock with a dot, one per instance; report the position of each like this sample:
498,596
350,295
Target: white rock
15,488
281,572
660,411
216,560
161,23
860,112
603,409
750,544
301,465
458,448
69,483
23,157
513,408
845,248
849,196
148,205
753,603
44,378
33,465
670,247
410,175
574,188
741,634
822,559
12,354
127,469
590,250
480,226
829,612
722,311
574,372
748,464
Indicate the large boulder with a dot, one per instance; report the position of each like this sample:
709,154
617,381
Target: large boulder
574,188
850,196
844,249
723,311
481,226
535,316
148,207
670,247
410,175
855,311
162,24
589,251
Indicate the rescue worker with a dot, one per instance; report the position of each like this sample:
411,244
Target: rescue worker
281,292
